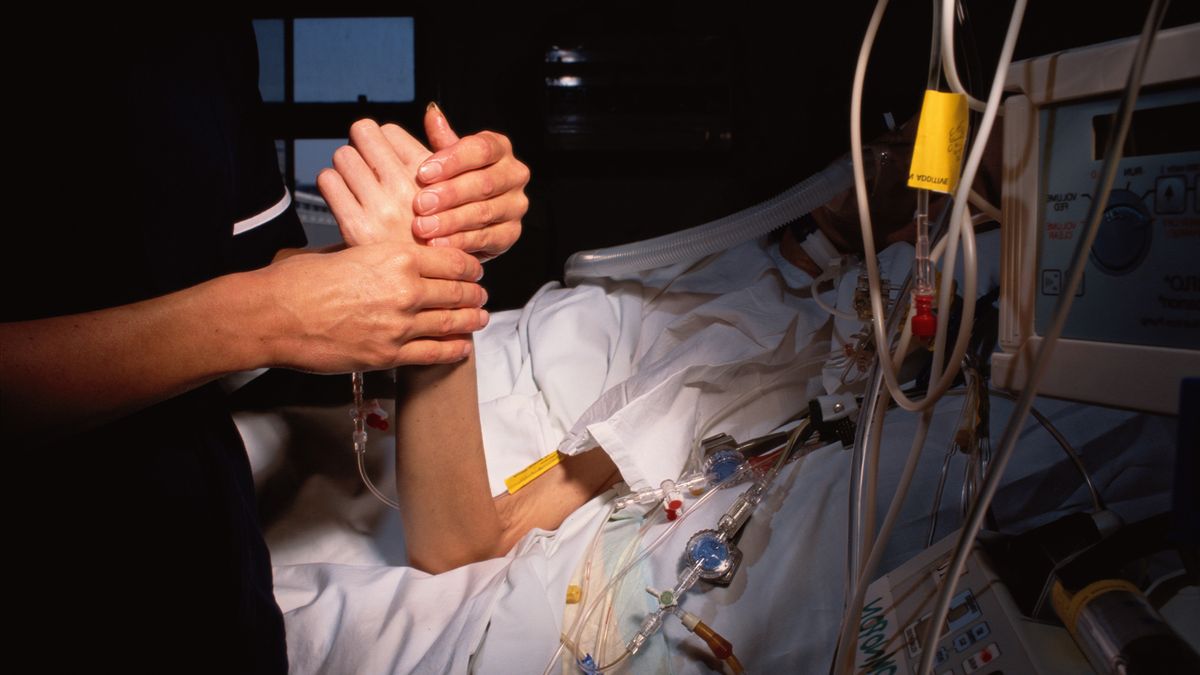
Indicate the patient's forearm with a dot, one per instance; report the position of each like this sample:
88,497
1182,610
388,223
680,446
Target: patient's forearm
441,474
446,505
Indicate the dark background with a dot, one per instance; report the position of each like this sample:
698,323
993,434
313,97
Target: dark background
686,111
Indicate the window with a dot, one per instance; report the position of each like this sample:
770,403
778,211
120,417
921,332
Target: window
343,60
318,75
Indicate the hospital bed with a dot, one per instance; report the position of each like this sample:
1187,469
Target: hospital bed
641,365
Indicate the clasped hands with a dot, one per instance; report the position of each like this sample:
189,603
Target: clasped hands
418,225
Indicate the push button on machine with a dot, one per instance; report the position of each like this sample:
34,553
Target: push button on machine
1170,194
981,658
962,641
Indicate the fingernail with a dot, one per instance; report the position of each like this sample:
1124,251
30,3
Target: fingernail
466,350
440,241
484,317
427,201
426,225
483,301
433,106
429,171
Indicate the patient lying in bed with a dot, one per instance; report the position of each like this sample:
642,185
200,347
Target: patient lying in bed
620,375
720,325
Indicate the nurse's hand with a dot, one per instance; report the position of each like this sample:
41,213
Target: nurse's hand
373,306
472,193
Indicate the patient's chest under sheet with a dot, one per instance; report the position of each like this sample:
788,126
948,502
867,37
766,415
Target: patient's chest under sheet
642,363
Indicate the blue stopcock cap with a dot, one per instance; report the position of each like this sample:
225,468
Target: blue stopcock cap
723,465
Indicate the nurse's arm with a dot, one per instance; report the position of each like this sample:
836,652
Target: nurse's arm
369,307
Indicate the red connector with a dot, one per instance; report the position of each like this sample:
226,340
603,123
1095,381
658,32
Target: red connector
924,323
673,508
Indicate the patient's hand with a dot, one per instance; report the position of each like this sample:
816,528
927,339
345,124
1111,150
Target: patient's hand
371,186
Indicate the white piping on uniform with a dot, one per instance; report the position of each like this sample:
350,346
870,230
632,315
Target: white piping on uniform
270,214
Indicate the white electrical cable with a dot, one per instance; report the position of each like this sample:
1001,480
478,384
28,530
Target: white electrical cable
959,207
846,638
1115,145
956,231
979,202
949,69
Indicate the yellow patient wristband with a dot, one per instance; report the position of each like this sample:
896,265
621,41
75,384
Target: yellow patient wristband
525,476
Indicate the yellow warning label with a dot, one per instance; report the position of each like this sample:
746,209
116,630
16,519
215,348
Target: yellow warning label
523,477
941,135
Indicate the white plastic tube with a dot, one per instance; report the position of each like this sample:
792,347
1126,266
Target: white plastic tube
696,242
950,70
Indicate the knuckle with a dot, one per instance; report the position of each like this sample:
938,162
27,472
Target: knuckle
447,195
446,322
485,212
486,146
404,261
395,356
483,240
499,142
487,186
405,298
453,261
388,212
428,352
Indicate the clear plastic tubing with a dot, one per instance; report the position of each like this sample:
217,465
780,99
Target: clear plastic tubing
721,234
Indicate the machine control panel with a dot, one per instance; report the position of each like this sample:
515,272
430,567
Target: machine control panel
984,631
1142,280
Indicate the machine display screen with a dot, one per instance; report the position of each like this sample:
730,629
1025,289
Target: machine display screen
1153,131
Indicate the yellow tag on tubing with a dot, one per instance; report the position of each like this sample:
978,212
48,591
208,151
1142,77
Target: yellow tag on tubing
941,136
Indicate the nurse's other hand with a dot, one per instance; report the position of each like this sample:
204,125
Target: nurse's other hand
472,193
373,306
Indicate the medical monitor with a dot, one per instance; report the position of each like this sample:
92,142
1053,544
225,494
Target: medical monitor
1133,332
